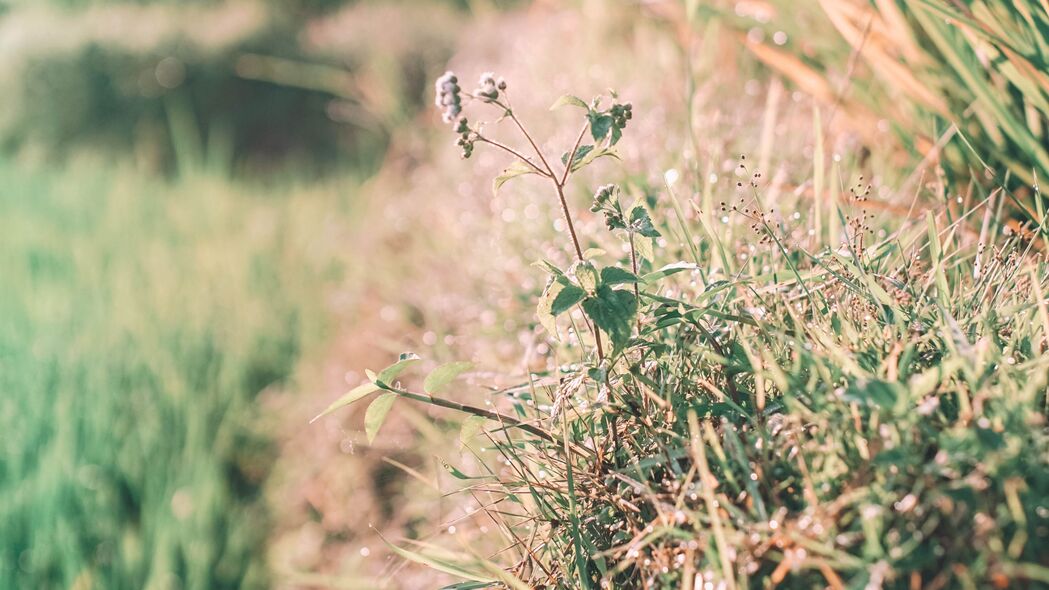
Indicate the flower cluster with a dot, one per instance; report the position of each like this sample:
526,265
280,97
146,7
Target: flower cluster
604,203
621,113
488,87
466,137
448,96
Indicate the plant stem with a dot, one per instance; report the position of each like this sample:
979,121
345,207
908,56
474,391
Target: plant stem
515,153
559,185
571,155
637,292
568,219
444,403
476,411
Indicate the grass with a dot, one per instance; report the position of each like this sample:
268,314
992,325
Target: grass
139,320
967,78
778,403
810,417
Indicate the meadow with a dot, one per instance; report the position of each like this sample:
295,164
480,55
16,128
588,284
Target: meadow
141,322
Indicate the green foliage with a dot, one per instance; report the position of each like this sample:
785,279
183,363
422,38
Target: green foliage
444,375
860,412
376,414
978,69
138,323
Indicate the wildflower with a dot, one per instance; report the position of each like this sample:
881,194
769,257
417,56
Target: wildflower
602,196
488,87
621,113
447,96
467,137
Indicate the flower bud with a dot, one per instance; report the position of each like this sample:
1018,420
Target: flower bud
447,96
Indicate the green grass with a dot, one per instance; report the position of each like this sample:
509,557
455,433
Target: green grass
866,409
969,75
138,323
867,417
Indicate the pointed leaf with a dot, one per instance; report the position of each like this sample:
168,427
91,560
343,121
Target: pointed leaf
613,275
580,153
388,375
544,309
593,155
668,270
514,170
600,125
376,414
569,100
613,311
586,274
566,298
549,266
442,565
443,375
472,426
353,395
645,247
642,223
459,474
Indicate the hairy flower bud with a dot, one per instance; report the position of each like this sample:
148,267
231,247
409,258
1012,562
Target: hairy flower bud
447,96
488,88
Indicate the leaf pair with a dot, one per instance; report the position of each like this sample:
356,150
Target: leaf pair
611,310
379,409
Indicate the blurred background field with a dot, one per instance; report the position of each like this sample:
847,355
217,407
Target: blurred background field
210,219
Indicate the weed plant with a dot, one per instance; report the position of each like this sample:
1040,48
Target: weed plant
861,405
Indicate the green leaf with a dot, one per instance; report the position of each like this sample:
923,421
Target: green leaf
875,392
580,153
600,125
593,155
544,309
613,275
586,273
549,267
440,377
613,311
472,426
617,134
645,247
376,414
566,298
668,270
569,100
642,223
353,395
442,564
387,376
514,170
459,474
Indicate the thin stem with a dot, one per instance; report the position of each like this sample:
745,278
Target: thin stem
571,155
474,410
528,136
568,219
515,153
560,186
444,403
637,292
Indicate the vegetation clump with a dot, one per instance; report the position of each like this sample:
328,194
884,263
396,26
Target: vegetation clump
861,405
